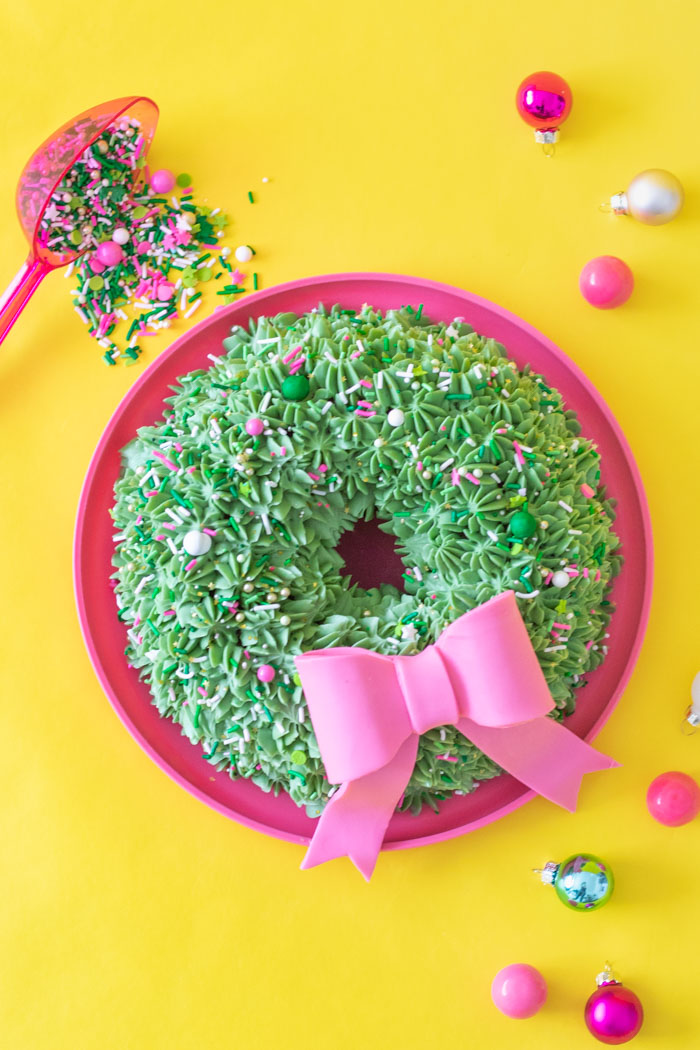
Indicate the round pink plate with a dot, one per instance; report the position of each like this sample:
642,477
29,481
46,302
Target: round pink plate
104,635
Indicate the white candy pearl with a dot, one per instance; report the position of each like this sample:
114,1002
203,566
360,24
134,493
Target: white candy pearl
477,472
247,587
196,543
285,592
243,253
561,579
395,417
285,621
240,558
121,235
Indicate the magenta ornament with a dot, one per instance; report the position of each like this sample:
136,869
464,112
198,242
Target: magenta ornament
613,1013
673,799
606,282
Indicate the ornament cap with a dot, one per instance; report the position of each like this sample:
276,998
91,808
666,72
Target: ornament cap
607,976
618,203
550,136
548,873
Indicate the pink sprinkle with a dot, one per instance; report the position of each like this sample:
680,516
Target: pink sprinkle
518,454
360,412
293,369
152,492
589,644
585,574
364,404
447,758
548,577
316,477
573,572
190,565
323,468
139,519
597,576
167,525
283,451
191,470
178,446
137,621
419,464
587,491
291,354
455,476
356,353
164,459
201,690
246,654
473,479
169,612
562,626
210,532
161,536
367,383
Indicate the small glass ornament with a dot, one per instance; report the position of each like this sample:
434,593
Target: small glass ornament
653,197
613,1013
544,102
583,881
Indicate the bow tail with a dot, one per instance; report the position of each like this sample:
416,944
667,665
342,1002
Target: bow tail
543,754
355,820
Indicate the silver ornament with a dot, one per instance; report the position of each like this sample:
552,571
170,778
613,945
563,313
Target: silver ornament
652,197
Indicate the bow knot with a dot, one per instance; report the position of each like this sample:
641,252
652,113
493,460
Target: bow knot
368,711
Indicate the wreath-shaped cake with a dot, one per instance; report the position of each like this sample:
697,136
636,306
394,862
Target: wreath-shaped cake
228,514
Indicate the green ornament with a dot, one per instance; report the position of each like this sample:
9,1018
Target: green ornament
523,525
295,388
583,882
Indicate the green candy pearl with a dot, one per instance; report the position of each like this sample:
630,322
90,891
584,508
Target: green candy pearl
295,388
523,525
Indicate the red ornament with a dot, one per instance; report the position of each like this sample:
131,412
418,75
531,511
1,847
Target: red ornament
544,102
613,1013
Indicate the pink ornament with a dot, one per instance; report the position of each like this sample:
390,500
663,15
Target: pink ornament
162,181
544,102
606,282
109,253
519,990
613,1013
254,427
266,673
673,799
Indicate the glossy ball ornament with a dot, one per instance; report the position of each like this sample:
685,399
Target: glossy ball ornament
606,282
653,197
583,881
519,990
613,1013
523,525
544,102
673,799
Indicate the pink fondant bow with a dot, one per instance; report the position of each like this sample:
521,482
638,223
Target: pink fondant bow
368,711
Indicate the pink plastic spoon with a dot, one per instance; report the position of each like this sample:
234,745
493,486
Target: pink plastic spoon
43,173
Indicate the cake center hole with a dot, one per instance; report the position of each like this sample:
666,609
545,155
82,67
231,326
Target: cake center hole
370,556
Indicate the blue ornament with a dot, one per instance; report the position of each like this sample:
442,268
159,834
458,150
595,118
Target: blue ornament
583,882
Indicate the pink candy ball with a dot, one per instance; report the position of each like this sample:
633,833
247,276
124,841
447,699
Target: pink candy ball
519,990
254,427
109,253
266,673
673,799
162,181
606,282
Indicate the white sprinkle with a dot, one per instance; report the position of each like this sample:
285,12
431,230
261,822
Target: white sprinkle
447,463
264,404
301,716
144,580
532,594
172,546
380,380
329,357
554,648
327,407
352,389
495,477
246,734
69,270
266,523
565,506
492,535
264,608
575,532
417,573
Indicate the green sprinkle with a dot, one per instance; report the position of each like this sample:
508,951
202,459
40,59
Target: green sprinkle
250,197
213,751
294,773
458,397
255,282
196,715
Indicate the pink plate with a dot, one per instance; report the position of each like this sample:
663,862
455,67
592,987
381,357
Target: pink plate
104,635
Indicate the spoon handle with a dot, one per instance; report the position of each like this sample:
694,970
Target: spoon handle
19,292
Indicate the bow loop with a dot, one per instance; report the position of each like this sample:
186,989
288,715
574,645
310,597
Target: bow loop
427,690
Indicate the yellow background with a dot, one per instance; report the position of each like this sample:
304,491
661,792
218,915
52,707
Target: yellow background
133,916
